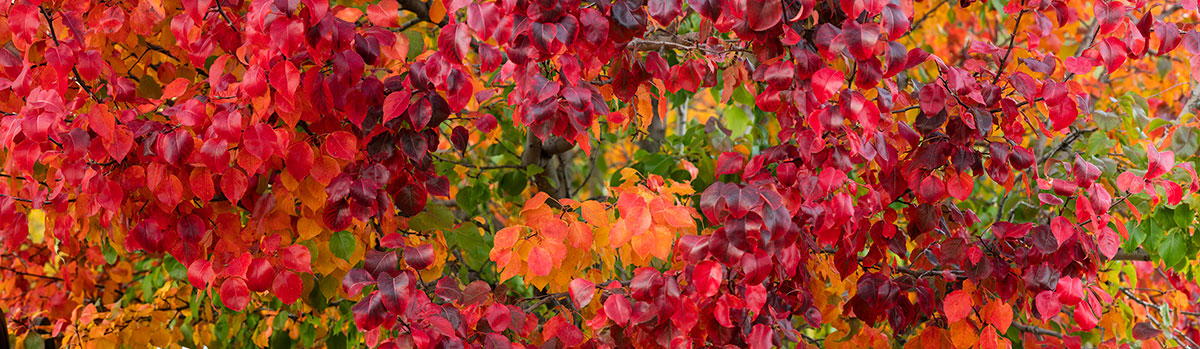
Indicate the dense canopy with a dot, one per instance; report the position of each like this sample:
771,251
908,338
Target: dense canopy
599,173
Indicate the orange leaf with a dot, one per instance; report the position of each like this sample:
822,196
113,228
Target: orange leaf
635,212
958,306
579,235
538,200
506,237
963,335
620,234
593,212
998,314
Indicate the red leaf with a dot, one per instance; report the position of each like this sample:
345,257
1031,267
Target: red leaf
1113,53
200,273
413,145
285,78
1108,242
288,287
458,91
1085,317
296,258
958,305
664,11
299,160
1004,230
1110,15
710,9
826,82
176,146
234,294
617,308
1079,65
895,21
260,141
960,185
1069,290
1145,330
581,291
458,137
539,261
341,145
393,291
485,123
233,184
1047,304
707,277
355,280
932,189
729,162
1130,183
932,98
395,104
764,14
498,317
1159,163
1062,228
760,337
369,312
238,265
260,275
860,38
200,182
1062,114
419,257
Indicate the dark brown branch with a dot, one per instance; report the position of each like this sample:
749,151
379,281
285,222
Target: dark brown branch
31,274
3,330
54,36
1138,255
1037,330
918,22
1011,42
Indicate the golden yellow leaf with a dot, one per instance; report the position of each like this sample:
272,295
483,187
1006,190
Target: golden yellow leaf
37,225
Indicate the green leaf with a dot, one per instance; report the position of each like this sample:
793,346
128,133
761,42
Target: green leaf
308,334
471,242
1173,249
280,339
737,120
336,341
1105,120
533,170
33,341
342,245
470,198
1183,215
513,182
175,269
435,217
1136,235
416,43
110,254
280,320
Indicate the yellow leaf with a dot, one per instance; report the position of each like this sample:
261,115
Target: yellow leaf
37,225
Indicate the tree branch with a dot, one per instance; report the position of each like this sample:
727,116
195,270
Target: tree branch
1036,330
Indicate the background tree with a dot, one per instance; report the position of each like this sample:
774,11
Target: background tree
601,173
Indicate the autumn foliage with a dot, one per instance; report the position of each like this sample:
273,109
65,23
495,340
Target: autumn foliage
601,173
